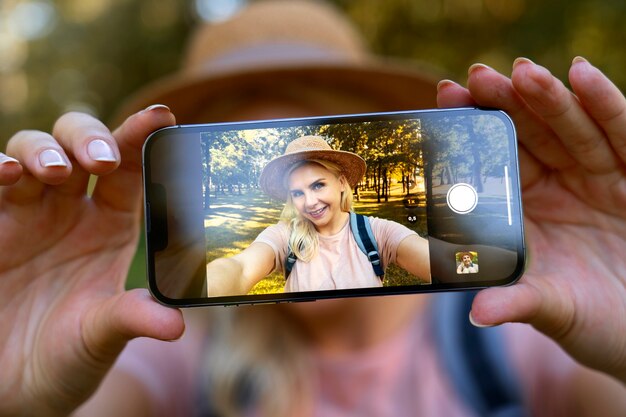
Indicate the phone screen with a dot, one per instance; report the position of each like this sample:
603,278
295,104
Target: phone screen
439,200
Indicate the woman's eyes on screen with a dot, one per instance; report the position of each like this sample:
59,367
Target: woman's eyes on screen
317,186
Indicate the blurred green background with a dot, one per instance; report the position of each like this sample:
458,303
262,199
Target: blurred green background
88,55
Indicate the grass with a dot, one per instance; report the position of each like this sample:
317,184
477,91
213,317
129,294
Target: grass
231,225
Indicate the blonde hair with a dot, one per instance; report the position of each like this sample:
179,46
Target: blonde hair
303,239
257,361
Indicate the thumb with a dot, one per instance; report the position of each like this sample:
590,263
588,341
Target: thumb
497,305
546,308
131,314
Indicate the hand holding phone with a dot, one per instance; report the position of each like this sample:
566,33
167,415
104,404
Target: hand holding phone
65,255
301,209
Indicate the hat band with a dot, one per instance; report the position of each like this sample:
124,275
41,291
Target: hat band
275,53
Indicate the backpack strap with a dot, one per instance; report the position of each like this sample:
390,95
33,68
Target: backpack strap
475,359
290,261
364,237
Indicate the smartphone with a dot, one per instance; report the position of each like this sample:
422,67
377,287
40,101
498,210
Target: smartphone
438,192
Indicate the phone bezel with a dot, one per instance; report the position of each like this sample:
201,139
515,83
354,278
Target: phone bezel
196,129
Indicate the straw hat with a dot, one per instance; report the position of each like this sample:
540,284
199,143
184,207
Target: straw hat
284,47
272,179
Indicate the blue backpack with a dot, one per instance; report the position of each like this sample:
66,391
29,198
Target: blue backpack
475,359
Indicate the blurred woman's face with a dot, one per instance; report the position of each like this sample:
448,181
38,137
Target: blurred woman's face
316,194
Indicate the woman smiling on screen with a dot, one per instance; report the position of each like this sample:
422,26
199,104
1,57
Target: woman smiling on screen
313,244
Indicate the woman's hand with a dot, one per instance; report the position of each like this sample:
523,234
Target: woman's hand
572,149
64,315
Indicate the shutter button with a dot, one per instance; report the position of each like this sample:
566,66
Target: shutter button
462,198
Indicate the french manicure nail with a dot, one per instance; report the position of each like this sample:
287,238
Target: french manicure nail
51,158
444,83
99,150
521,60
476,66
7,159
155,107
475,324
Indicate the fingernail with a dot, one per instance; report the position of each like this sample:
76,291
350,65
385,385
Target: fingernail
178,339
99,150
521,60
477,66
475,324
51,158
155,107
578,59
444,83
7,159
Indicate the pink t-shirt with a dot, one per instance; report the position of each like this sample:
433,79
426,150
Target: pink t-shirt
339,263
401,376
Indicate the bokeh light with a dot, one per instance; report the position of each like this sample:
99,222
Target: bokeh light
14,92
13,51
31,20
217,10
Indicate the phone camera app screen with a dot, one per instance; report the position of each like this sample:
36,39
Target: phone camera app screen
391,202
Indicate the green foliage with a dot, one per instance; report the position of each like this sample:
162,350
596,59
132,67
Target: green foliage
98,52
450,35
467,149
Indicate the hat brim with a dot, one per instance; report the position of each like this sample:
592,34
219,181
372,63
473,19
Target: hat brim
387,85
273,176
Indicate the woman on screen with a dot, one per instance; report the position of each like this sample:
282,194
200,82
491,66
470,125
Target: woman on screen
313,244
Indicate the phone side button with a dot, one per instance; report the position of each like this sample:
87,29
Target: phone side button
148,222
